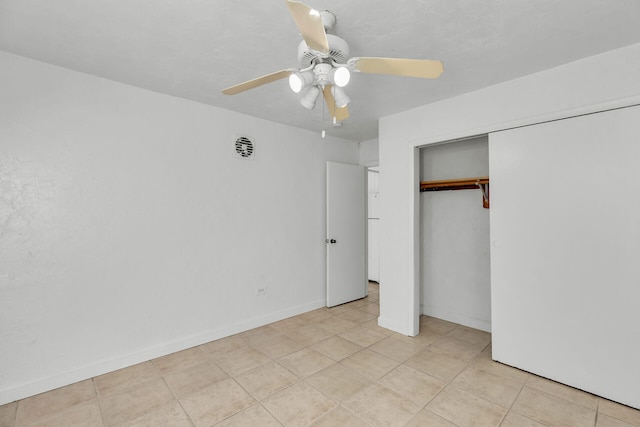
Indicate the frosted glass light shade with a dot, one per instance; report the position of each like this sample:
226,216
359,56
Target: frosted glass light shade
295,83
298,80
341,76
340,96
310,97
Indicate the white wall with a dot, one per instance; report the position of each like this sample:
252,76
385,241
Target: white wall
454,236
593,84
128,229
566,285
369,152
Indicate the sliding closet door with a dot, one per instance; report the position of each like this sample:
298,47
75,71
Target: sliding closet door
565,255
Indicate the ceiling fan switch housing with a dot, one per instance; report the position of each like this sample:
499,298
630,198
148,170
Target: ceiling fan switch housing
323,74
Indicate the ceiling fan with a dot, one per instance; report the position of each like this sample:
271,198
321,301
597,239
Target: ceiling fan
325,65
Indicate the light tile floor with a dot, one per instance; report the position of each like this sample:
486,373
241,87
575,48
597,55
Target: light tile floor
328,367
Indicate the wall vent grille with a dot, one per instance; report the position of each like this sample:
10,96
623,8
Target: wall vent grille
244,148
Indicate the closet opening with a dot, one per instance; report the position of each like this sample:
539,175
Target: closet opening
455,280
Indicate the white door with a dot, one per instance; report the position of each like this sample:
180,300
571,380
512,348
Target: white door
346,233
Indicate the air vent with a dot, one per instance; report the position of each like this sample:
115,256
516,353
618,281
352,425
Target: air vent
244,148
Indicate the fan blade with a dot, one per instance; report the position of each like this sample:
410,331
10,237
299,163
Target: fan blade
269,78
339,113
309,22
424,68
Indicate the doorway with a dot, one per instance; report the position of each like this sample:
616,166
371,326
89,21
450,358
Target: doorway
373,224
346,230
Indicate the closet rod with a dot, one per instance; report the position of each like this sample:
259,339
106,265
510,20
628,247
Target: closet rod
454,184
481,182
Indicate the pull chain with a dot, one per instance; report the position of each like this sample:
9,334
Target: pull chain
323,123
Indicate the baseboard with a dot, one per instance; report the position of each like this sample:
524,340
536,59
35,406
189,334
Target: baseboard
460,319
104,366
394,326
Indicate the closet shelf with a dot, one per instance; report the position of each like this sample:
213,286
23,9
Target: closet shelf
481,182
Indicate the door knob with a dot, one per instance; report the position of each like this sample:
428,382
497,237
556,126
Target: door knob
332,241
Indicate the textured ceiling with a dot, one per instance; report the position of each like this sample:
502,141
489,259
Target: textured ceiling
195,48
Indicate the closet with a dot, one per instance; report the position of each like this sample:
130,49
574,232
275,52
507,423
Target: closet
454,232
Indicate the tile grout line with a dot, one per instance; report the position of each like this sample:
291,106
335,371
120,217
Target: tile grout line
52,415
256,400
514,401
269,412
15,414
14,422
354,414
300,380
616,417
172,392
242,409
338,403
99,401
421,407
560,397
448,383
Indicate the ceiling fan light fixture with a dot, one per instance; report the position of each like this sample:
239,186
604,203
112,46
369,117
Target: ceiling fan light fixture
341,76
340,96
325,64
300,80
310,97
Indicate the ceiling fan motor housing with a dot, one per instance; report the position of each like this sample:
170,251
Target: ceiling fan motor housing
338,51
